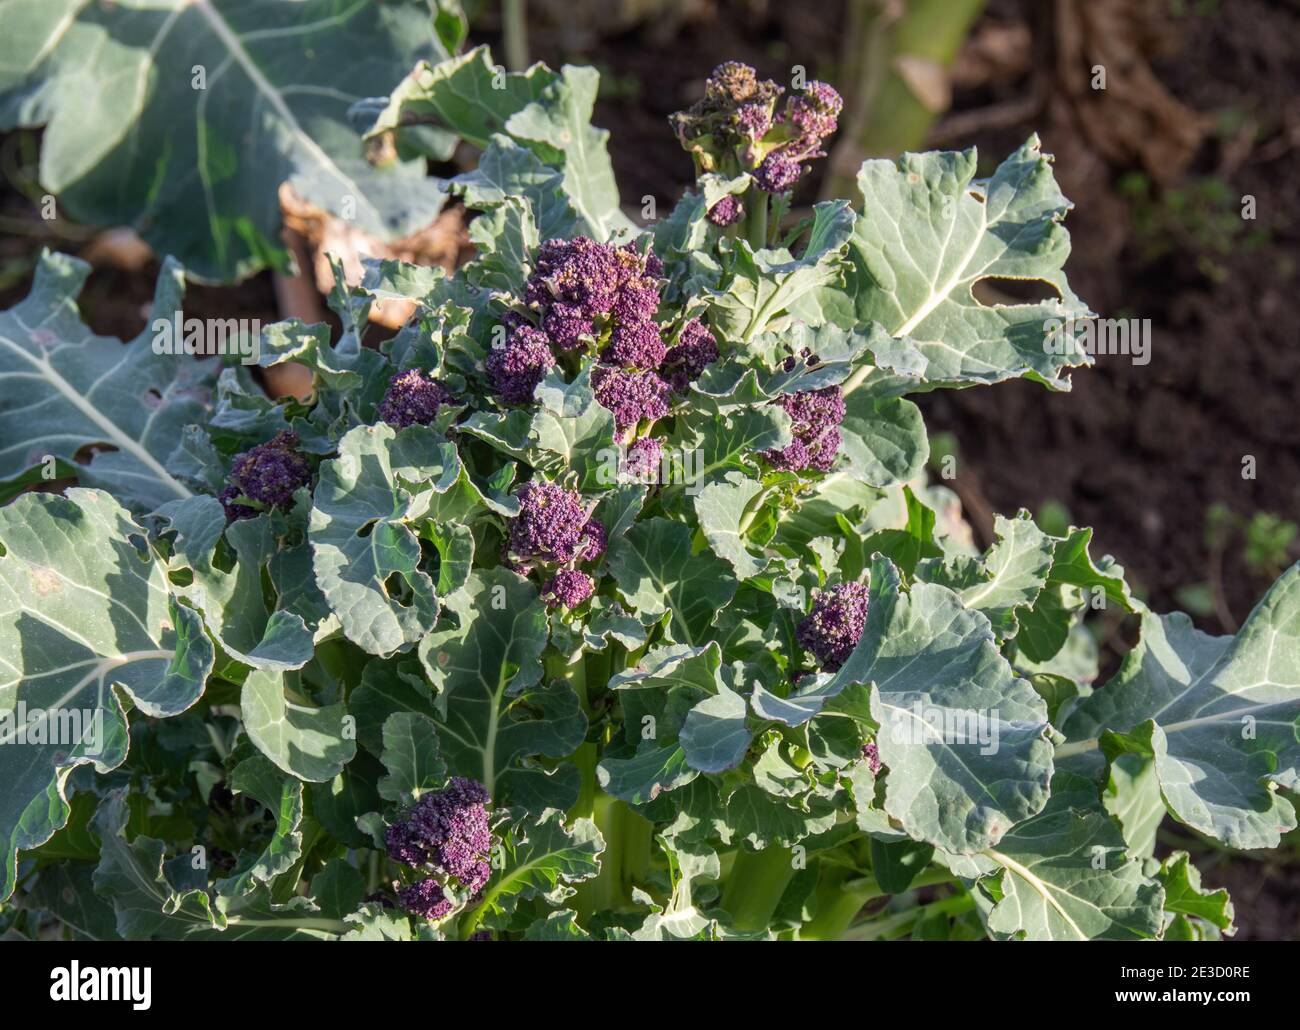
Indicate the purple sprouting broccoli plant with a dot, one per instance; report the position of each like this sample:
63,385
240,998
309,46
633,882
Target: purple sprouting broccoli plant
598,654
448,832
568,588
816,416
412,398
265,477
834,626
516,367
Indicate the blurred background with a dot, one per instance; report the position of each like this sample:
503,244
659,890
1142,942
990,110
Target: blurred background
1197,128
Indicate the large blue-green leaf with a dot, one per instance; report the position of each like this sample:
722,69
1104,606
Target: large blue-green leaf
86,623
64,390
1065,876
495,715
657,573
183,119
930,232
366,555
964,738
1219,715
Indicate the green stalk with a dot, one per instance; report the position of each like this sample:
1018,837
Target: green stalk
897,924
896,61
756,217
514,32
755,885
839,900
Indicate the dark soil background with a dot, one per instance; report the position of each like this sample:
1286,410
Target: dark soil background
1141,453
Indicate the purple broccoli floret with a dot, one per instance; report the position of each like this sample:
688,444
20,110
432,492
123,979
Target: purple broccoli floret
580,272
267,475
834,626
425,898
638,345
754,119
412,398
566,325
871,755
633,397
404,845
685,361
816,416
778,172
594,540
516,367
727,211
568,589
448,831
732,82
642,458
636,301
550,525
813,114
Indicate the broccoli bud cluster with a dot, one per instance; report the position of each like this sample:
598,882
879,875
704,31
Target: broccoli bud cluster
553,528
412,398
834,626
736,127
265,476
816,415
449,833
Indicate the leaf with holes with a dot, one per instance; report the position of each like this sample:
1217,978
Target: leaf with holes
65,392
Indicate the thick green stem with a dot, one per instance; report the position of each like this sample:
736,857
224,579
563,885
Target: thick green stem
756,217
897,924
840,899
514,30
755,885
896,70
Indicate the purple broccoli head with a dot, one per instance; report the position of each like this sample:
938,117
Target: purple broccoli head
567,326
448,831
778,172
579,272
732,82
813,115
412,398
727,211
633,397
568,589
635,345
685,361
594,540
266,475
816,416
516,367
834,626
642,457
550,525
425,898
871,755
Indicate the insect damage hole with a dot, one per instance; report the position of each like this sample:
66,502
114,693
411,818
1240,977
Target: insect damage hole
994,290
